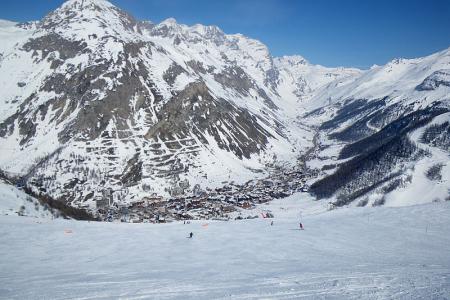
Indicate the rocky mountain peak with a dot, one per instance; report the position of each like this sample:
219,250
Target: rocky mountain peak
171,28
208,31
167,28
170,22
87,3
293,60
82,18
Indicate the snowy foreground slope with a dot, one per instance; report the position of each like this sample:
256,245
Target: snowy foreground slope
364,253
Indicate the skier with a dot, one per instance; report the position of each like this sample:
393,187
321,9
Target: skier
191,235
301,226
271,223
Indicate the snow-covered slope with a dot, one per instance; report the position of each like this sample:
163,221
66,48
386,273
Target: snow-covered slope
299,80
402,80
384,134
145,108
14,201
365,253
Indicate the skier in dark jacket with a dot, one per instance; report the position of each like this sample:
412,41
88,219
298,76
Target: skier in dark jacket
301,226
191,235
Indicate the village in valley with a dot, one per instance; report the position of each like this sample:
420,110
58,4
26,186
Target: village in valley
231,201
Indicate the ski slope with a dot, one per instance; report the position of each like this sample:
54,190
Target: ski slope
352,253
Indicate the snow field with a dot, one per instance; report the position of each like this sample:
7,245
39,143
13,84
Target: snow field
354,253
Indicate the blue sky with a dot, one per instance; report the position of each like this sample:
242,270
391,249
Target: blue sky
355,33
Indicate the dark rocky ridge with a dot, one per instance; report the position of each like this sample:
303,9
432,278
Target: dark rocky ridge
195,111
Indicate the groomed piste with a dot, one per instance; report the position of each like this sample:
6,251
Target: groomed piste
350,253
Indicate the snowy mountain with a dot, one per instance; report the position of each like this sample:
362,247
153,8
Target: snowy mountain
145,108
95,102
385,135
